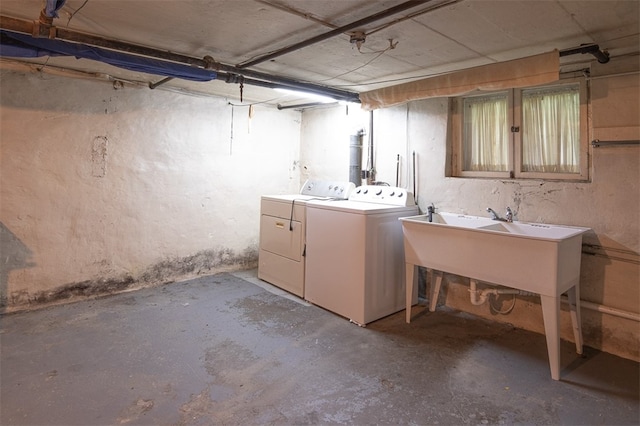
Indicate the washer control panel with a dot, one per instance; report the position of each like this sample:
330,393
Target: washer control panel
325,188
390,195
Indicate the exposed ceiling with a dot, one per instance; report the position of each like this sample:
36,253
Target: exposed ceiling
428,38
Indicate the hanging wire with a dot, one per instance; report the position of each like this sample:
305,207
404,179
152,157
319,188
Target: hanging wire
392,45
44,65
76,11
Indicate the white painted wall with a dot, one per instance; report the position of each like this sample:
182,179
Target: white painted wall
609,204
103,189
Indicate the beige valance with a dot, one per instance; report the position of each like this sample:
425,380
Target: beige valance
529,71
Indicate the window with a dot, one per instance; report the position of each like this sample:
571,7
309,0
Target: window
538,132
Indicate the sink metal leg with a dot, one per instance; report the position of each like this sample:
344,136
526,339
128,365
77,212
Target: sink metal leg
411,287
574,309
436,283
550,316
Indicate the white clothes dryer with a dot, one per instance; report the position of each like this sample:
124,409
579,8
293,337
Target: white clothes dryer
281,256
355,253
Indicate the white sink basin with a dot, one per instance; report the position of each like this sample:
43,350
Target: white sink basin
479,223
535,230
536,258
452,219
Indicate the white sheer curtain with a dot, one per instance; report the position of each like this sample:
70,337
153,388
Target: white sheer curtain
486,133
551,130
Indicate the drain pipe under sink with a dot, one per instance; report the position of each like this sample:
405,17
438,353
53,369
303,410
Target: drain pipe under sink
478,297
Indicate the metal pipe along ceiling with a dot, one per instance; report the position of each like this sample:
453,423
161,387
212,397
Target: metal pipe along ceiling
38,30
594,49
340,30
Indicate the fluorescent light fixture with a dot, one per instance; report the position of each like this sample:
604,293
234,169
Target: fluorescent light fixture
306,95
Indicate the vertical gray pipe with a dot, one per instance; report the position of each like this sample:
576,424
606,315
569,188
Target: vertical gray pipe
355,158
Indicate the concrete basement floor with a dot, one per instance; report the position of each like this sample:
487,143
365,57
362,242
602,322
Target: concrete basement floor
222,350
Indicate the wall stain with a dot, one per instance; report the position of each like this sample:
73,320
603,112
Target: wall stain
83,289
198,264
163,272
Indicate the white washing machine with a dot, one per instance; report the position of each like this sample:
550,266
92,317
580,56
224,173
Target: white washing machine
355,254
281,257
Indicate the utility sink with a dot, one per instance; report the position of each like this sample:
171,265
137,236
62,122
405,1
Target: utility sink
532,257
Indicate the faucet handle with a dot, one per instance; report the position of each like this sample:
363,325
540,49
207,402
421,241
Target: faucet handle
509,215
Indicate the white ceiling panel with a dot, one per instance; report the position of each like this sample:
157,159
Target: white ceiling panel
447,35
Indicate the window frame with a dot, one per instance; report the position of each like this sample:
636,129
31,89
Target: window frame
514,115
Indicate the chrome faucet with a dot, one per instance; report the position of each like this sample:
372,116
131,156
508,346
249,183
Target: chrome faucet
507,218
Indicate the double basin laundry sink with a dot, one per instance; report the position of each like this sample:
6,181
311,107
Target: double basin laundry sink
532,257
523,229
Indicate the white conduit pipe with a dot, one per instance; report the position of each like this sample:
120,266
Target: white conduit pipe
606,309
478,297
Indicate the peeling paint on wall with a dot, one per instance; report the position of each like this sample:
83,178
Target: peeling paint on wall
99,156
